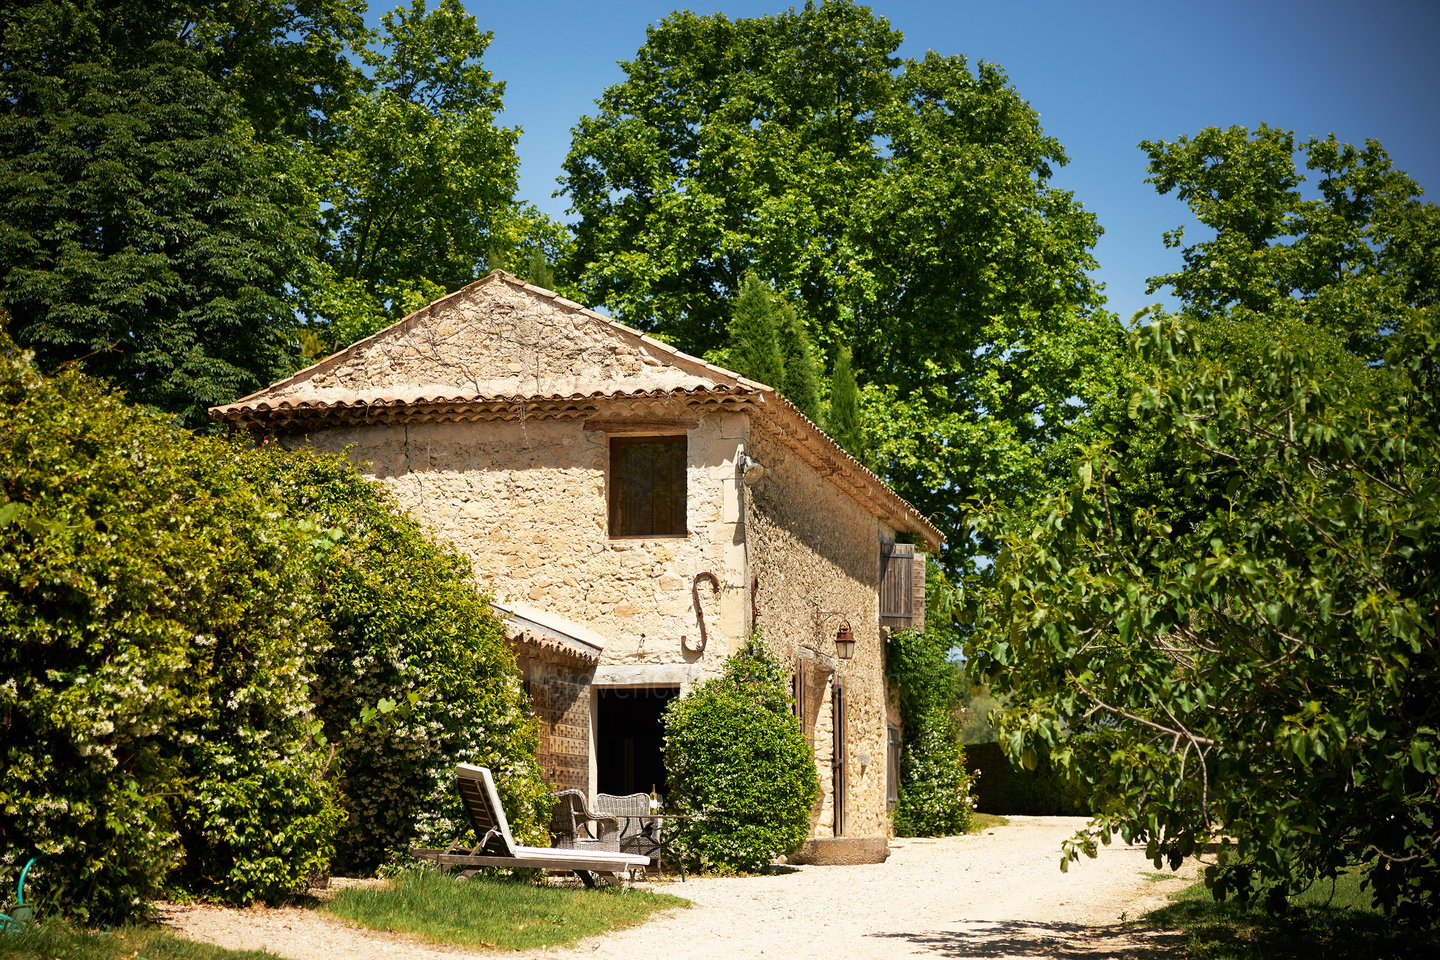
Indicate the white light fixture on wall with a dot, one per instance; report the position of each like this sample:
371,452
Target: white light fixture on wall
750,469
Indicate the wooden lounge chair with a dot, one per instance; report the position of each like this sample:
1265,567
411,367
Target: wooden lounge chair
497,847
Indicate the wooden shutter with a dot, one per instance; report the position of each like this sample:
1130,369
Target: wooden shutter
897,587
810,680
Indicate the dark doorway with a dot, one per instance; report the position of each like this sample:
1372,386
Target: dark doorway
629,738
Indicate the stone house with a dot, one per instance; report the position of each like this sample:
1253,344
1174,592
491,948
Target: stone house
635,513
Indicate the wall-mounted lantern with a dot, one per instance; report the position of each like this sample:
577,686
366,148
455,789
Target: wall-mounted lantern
751,470
845,642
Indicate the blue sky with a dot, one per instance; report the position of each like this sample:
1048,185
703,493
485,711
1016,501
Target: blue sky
1103,76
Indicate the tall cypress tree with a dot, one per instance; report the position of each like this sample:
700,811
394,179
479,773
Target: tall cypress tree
800,380
754,335
842,420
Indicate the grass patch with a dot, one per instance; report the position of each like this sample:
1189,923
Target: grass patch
56,940
1326,922
980,822
494,914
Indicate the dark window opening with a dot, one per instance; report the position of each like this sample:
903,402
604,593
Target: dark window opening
630,739
647,486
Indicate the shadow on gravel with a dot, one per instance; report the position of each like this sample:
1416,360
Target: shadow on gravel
1057,941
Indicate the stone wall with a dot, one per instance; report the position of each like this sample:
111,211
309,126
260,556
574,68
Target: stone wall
493,339
816,555
526,503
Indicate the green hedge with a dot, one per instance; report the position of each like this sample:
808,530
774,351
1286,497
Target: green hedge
223,661
159,619
734,751
418,674
1003,787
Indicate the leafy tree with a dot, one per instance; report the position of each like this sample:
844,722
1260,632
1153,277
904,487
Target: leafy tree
1347,261
842,417
144,233
735,751
418,184
767,342
754,334
532,246
289,62
1260,665
904,207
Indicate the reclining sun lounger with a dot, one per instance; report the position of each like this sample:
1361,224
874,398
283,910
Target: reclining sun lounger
497,847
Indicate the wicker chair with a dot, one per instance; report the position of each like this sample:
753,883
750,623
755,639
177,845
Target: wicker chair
574,826
633,811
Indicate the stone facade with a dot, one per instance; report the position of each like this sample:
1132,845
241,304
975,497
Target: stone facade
491,416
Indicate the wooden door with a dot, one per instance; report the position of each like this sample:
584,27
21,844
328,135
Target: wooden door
838,762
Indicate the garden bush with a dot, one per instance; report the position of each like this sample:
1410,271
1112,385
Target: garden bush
159,619
934,794
735,752
218,653
417,676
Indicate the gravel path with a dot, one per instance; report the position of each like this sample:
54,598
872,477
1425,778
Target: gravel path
999,894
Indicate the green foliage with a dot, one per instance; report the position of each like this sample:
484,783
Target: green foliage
160,624
904,207
185,179
217,653
144,233
1262,659
417,677
842,416
1329,921
417,183
934,786
1001,785
531,246
768,343
934,796
754,334
800,379
735,753
488,914
976,703
286,61
1347,262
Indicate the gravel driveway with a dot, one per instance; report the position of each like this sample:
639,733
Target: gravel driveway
998,894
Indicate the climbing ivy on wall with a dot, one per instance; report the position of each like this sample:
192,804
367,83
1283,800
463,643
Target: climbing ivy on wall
934,797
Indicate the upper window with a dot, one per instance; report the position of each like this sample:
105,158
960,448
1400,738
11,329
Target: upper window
647,486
